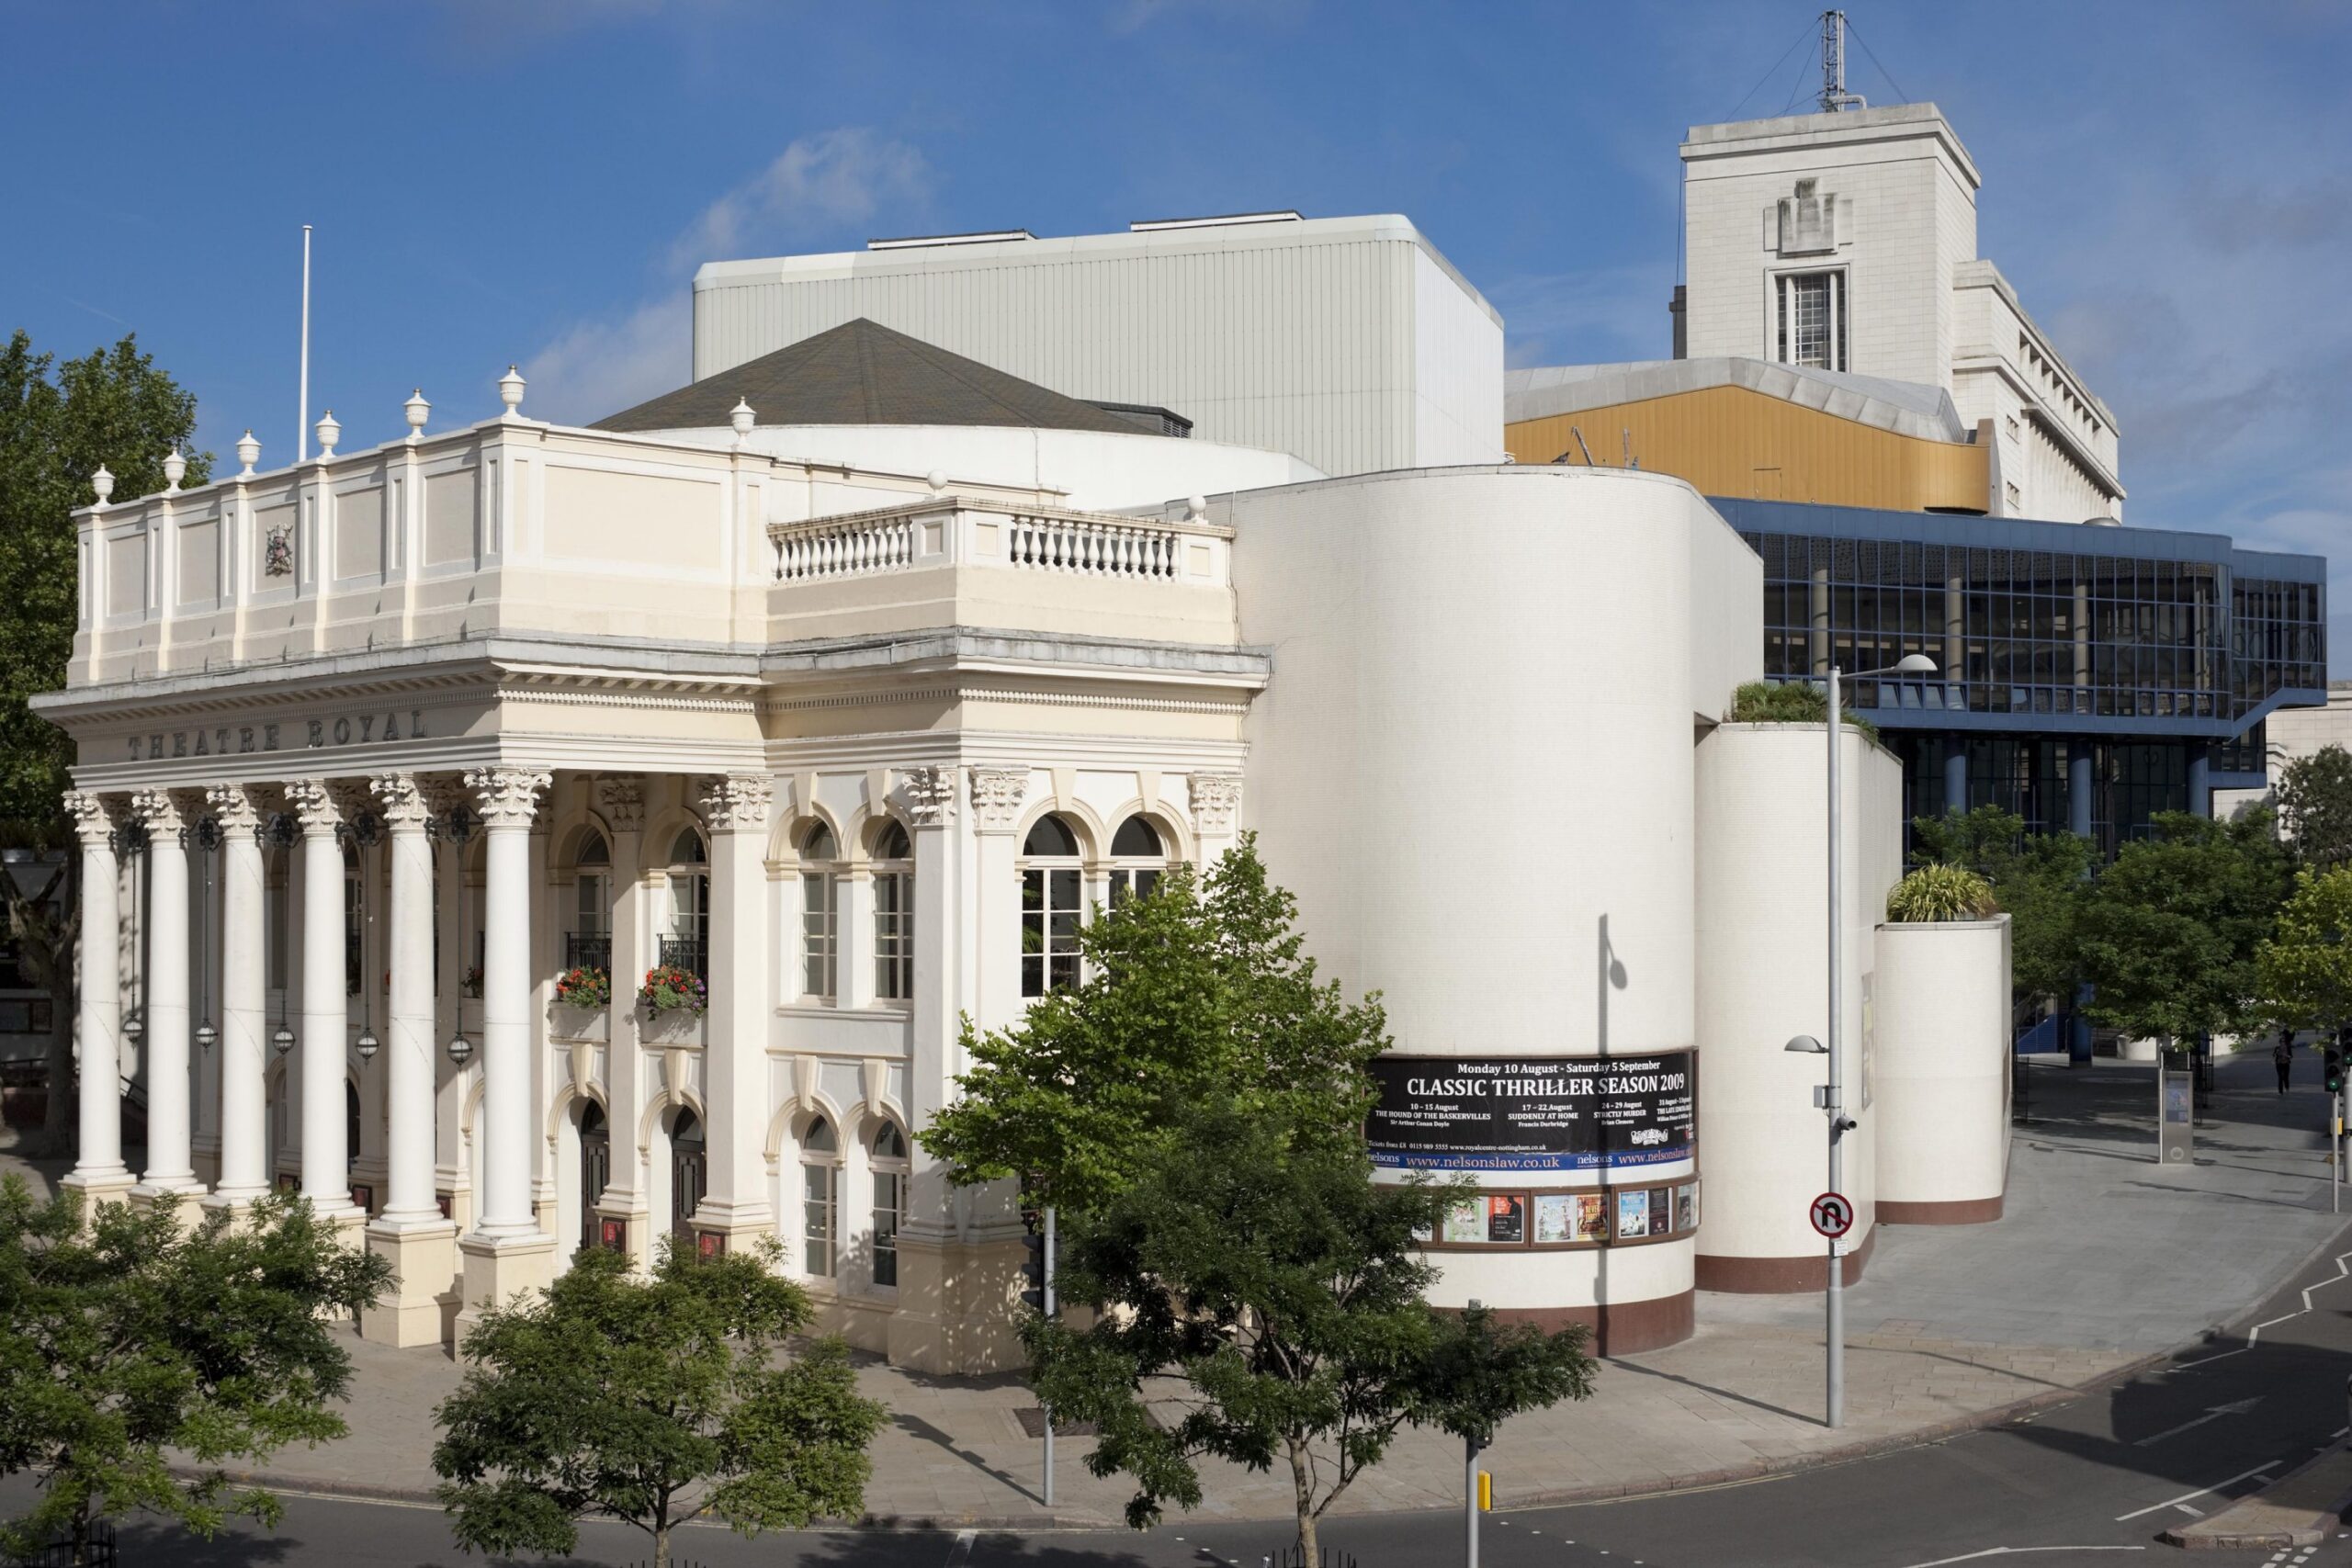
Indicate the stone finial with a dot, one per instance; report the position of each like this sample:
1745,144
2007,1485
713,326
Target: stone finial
507,797
174,469
736,802
329,432
103,483
248,453
510,390
1215,798
931,795
1196,509
418,411
742,417
936,479
997,795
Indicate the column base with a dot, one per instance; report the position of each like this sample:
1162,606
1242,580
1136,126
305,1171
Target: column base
110,1187
635,1235
234,1202
959,1307
738,1228
186,1196
497,1270
421,1307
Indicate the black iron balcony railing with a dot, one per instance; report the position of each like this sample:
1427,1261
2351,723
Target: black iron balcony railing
690,954
588,950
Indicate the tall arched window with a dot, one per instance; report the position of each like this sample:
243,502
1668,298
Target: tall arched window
1052,896
821,907
590,941
890,1165
820,1167
894,915
1137,860
685,945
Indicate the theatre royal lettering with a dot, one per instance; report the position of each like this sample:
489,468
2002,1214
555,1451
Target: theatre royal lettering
222,740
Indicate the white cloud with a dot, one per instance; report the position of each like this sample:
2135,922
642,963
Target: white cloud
818,189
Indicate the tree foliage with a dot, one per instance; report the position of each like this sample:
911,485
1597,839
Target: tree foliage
2315,806
1199,990
1787,701
58,424
2169,934
1261,1300
2041,879
2305,966
656,1402
144,1334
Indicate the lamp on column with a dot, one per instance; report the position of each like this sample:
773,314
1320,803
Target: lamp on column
458,829
363,831
204,837
277,829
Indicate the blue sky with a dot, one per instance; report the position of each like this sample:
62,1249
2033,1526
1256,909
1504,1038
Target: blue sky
2169,185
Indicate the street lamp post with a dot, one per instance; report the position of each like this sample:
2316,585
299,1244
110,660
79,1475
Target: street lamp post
1833,1104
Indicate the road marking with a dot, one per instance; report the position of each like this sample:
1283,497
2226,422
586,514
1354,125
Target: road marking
2254,1335
961,1553
2201,1492
2213,1413
2017,1551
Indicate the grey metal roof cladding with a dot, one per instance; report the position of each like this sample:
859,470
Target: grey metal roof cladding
1904,407
863,373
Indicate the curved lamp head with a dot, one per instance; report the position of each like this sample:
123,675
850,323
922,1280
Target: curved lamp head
1912,664
462,1049
1806,1046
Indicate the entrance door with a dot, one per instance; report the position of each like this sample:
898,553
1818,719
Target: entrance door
686,1178
595,1170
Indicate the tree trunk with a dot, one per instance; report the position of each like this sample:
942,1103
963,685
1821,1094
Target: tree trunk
661,1545
1302,1493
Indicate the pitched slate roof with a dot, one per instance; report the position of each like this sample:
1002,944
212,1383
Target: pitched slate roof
864,373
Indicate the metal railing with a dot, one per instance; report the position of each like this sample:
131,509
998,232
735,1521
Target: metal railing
588,950
690,954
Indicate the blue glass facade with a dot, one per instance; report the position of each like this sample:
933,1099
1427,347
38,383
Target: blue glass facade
2087,676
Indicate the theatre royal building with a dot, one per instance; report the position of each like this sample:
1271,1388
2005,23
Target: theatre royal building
523,838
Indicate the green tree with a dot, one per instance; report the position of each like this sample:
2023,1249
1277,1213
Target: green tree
2305,966
1270,1295
2041,879
142,1333
2169,933
656,1402
2315,806
58,424
1198,990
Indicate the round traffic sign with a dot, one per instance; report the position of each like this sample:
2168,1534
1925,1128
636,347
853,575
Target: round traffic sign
1832,1215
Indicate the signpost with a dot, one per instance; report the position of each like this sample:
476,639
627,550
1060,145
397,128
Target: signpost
1832,1215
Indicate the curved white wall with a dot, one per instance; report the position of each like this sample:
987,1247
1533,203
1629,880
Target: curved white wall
1097,471
1472,765
1763,978
1943,1071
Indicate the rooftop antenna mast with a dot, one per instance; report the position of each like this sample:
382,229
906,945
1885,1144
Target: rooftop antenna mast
1834,97
302,417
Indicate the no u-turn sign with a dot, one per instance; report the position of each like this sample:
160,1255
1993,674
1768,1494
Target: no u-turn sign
1832,1215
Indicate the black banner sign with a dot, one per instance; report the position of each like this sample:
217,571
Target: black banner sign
1533,1114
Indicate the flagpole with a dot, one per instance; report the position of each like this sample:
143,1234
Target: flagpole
302,415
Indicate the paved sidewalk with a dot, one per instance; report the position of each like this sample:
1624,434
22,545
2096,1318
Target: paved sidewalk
2104,1259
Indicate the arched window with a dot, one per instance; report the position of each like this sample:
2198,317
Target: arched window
889,1201
820,908
819,1152
1051,896
685,945
894,915
1138,858
590,941
688,1175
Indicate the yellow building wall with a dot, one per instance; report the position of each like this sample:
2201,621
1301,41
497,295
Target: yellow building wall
1730,441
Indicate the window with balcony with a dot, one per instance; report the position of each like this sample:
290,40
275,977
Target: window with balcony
589,943
1052,893
820,901
686,944
894,916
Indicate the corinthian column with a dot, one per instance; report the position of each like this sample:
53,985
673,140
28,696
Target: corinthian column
735,1063
506,1251
100,1172
244,1022
326,1152
409,1230
170,1167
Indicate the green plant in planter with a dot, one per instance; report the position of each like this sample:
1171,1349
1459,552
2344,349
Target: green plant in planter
585,987
1935,893
1787,702
669,989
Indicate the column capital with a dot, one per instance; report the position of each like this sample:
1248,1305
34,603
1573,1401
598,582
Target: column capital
314,804
161,810
400,801
1215,798
997,795
237,806
931,795
622,802
94,817
507,797
736,802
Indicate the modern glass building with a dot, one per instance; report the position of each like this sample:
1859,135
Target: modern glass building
2091,675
